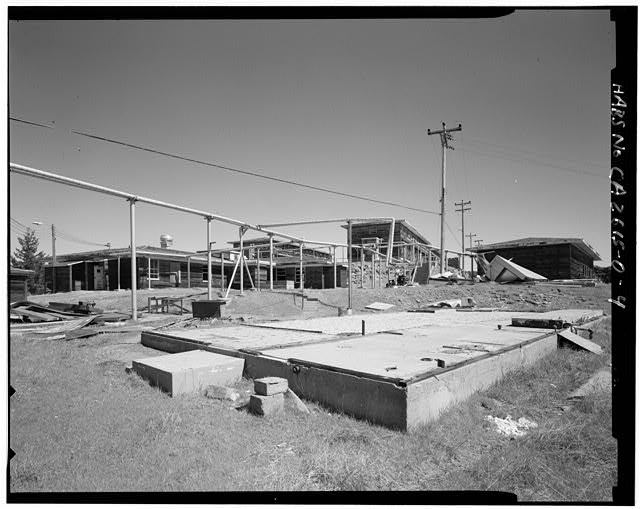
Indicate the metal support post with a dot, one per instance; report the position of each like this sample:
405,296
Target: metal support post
148,272
209,274
188,272
271,262
335,268
241,261
350,258
222,271
362,267
258,271
53,258
301,276
134,268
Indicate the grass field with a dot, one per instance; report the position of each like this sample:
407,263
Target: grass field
80,422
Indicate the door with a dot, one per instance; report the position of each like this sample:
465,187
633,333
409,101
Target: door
98,277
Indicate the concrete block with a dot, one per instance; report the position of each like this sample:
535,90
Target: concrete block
266,405
189,371
270,385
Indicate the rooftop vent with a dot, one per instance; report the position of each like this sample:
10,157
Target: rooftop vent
166,241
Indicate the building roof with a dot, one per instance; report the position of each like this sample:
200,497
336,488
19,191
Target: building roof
15,271
258,240
403,222
580,244
103,254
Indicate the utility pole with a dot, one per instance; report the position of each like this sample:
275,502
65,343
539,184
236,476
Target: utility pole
470,235
445,137
462,204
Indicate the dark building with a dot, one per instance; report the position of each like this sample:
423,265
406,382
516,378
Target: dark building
553,258
18,284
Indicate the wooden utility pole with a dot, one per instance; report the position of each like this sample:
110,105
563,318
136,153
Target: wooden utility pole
470,235
444,141
462,204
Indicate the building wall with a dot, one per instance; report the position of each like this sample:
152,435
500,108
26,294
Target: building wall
556,261
17,288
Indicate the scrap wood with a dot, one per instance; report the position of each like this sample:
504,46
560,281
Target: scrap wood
379,306
36,316
298,402
67,325
451,303
567,337
33,306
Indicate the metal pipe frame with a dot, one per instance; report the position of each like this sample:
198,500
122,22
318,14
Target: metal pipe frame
61,179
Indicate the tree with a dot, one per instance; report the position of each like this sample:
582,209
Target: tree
27,256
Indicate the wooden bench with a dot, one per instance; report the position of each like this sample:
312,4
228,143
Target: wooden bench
163,304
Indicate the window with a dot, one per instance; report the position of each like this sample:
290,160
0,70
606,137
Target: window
154,272
205,274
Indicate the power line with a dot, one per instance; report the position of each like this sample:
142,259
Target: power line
464,160
478,141
21,228
452,232
234,170
520,159
535,162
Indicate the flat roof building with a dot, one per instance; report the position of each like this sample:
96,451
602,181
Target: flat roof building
551,257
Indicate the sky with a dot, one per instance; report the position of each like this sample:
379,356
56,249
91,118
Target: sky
340,104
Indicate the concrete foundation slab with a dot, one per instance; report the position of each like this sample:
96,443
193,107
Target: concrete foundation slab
404,372
189,371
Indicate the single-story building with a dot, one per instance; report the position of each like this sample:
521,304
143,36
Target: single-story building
157,267
18,289
553,258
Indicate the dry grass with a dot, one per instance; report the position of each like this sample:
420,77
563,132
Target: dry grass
79,422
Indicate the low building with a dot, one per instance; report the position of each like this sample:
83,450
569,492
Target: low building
162,267
110,269
18,289
409,244
553,258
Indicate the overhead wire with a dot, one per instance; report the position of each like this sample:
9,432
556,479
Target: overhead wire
510,148
231,169
535,162
21,228
464,161
452,233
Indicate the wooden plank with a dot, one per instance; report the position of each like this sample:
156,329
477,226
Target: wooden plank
568,338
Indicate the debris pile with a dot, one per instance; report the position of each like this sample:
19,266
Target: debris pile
501,270
59,320
509,427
